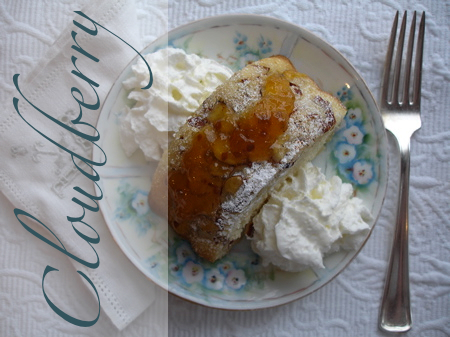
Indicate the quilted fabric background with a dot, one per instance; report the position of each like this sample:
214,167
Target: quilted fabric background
348,306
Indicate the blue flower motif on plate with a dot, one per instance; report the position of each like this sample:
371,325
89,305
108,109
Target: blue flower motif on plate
240,41
247,51
354,163
265,45
133,206
345,94
234,272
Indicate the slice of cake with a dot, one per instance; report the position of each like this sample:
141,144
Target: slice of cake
239,144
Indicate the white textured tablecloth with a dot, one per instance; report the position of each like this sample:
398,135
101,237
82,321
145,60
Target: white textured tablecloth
348,306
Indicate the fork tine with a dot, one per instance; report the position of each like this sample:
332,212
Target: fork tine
387,66
405,100
398,62
418,64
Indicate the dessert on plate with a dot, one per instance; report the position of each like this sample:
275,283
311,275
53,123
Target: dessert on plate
242,141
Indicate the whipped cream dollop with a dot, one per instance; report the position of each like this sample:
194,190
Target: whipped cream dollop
307,218
181,82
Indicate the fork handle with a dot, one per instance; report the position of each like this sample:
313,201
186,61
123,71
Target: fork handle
395,313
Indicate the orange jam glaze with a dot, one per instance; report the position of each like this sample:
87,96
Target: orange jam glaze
228,140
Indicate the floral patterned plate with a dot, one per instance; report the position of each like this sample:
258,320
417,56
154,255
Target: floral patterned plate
357,154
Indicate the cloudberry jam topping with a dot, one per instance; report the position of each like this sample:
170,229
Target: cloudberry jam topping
227,140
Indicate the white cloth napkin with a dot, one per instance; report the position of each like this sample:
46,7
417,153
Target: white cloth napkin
39,178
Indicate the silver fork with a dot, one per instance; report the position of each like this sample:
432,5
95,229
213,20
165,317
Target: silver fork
401,116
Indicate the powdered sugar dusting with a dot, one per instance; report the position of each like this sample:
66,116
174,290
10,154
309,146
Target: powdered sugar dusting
255,178
306,126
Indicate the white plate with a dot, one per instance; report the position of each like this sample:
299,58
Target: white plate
239,281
